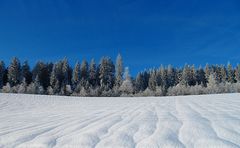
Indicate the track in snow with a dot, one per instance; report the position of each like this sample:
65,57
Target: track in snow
186,121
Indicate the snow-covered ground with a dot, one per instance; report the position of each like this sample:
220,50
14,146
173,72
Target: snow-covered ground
188,121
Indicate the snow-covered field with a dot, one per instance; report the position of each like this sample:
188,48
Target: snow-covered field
188,121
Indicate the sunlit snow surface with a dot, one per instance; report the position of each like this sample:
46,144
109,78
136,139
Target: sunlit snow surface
49,121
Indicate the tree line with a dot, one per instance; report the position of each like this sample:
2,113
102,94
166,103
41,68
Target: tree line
111,79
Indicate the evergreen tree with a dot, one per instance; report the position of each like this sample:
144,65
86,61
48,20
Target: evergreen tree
146,76
35,87
106,74
127,86
84,73
119,71
170,76
60,76
218,73
38,87
230,73
178,76
26,73
139,84
192,79
76,75
163,75
14,72
152,83
5,77
223,74
42,72
2,71
186,76
93,74
7,88
54,82
65,72
207,71
212,84
237,73
22,87
200,77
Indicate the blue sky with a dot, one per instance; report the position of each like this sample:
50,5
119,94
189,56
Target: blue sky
146,32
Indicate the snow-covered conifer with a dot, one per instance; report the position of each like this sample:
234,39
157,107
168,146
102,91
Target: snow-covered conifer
22,87
212,84
14,72
230,73
93,74
2,72
106,74
76,75
237,73
170,76
223,74
119,71
6,88
127,86
152,83
200,77
26,73
84,73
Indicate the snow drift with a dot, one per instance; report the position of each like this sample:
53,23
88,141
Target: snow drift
152,122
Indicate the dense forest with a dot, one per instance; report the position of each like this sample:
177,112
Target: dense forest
112,79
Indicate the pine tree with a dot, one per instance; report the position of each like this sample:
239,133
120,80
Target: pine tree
66,79
7,88
2,72
152,83
50,90
106,74
192,79
26,73
188,77
60,76
93,74
230,73
35,87
178,76
170,76
119,71
163,75
223,74
207,71
142,81
84,73
218,73
185,77
42,72
5,77
237,73
22,87
127,86
200,77
14,72
38,87
65,71
212,84
54,81
139,84
76,75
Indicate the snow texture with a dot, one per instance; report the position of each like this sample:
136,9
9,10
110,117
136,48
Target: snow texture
33,121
